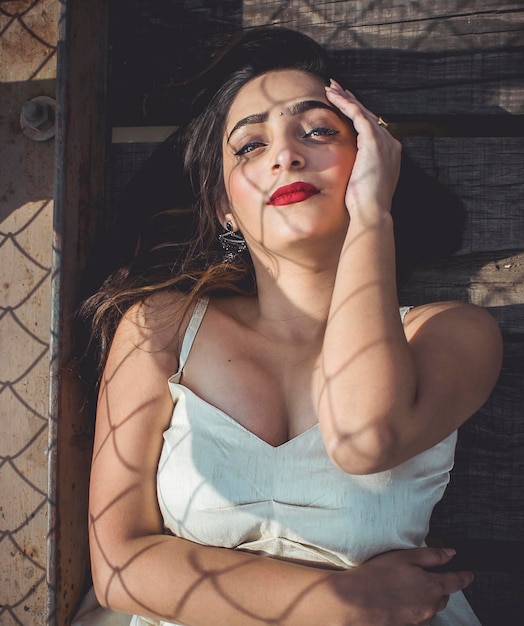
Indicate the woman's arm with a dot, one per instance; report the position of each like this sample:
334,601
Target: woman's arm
138,569
385,393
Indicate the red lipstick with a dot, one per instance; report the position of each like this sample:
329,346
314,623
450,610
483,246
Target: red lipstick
290,194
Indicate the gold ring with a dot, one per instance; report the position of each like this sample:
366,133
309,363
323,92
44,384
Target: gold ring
382,122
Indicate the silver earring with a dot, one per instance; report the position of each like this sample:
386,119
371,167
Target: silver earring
232,242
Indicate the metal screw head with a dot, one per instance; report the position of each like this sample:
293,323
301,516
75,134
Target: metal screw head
37,118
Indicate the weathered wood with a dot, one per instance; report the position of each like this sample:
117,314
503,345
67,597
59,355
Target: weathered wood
394,24
420,58
79,202
486,279
403,58
487,174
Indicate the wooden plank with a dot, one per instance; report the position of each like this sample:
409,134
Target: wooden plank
484,498
487,174
485,279
394,24
79,204
397,82
402,58
415,57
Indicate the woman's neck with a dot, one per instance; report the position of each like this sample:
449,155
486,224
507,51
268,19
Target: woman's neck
293,300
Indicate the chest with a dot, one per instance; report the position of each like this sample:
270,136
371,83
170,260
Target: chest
264,385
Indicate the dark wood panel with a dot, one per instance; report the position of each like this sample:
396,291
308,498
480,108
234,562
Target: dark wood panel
487,173
484,498
402,58
441,57
396,82
394,24
79,214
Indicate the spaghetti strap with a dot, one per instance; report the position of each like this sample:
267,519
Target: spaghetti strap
191,331
404,310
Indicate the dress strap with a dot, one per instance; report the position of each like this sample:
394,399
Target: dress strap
404,310
192,329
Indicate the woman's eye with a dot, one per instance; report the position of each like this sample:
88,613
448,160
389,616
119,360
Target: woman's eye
249,147
321,131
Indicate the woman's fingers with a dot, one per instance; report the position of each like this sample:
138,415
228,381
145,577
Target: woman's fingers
433,558
375,172
410,592
350,106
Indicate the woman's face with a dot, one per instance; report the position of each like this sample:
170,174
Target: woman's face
288,155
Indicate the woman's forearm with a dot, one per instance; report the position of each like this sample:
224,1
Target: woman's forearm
367,381
176,580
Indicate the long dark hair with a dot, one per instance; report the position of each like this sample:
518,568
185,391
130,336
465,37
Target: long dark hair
177,248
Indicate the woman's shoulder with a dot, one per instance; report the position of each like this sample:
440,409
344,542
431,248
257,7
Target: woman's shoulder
468,332
157,322
451,314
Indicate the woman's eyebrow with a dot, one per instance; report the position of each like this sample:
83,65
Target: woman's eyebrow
307,105
294,109
255,118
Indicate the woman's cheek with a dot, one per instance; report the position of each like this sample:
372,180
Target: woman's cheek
244,186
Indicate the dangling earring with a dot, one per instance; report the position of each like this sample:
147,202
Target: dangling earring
232,242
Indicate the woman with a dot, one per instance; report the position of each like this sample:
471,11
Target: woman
305,418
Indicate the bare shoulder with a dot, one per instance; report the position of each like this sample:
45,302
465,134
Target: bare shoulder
448,319
148,338
134,393
155,323
459,343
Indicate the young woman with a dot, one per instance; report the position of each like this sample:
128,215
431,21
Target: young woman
272,433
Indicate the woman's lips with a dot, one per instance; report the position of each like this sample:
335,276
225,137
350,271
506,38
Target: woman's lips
289,194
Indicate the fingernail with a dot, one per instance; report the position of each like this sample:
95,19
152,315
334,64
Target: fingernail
449,551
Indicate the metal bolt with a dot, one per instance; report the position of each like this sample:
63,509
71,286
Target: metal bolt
37,118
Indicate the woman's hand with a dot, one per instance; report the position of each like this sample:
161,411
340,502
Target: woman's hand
396,588
377,165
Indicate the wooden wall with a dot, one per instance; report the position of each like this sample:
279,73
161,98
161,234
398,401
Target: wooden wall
449,76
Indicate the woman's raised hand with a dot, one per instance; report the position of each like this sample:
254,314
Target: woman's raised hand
377,165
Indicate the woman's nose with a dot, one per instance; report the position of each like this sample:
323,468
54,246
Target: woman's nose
287,157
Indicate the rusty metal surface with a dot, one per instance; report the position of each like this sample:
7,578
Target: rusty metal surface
27,69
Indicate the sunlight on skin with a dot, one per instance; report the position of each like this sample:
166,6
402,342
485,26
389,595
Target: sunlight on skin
310,267
279,153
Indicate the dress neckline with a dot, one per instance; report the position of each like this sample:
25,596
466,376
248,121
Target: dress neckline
235,423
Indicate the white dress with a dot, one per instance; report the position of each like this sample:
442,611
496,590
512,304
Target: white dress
221,485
